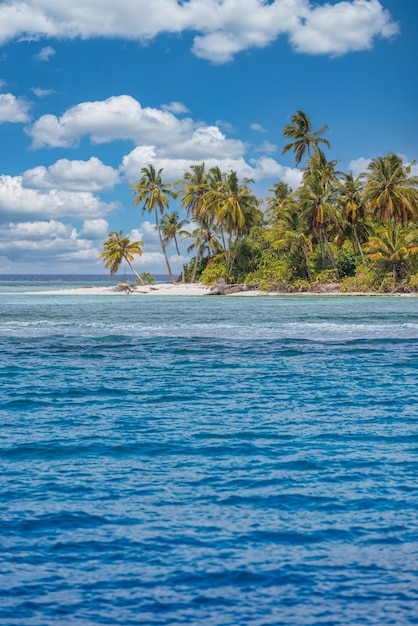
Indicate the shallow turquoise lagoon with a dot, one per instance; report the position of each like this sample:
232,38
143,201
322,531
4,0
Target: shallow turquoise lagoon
208,461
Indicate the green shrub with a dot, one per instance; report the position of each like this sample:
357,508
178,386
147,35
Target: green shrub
326,276
301,286
346,263
146,277
386,284
413,283
269,277
365,279
215,269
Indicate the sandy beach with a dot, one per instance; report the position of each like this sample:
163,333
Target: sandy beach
198,289
164,289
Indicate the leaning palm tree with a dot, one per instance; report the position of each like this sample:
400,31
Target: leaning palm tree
391,192
392,248
304,140
118,248
171,226
153,193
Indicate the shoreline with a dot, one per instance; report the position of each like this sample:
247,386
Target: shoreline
197,289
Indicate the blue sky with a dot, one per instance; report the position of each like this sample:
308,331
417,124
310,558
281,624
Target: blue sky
93,90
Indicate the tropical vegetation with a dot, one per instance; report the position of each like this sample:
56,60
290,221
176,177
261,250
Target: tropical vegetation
359,233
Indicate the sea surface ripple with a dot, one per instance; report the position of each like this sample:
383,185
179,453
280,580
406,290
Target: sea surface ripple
208,460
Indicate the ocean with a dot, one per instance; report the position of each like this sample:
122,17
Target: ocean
207,460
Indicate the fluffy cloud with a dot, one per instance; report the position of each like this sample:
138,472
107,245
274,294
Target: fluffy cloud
343,27
45,243
118,117
13,109
95,229
174,168
223,27
91,175
357,166
123,117
18,202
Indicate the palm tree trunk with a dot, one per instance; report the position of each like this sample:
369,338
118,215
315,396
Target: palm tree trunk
321,245
360,249
331,256
196,261
306,259
163,249
183,278
394,277
134,271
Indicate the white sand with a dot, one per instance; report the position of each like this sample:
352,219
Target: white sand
198,289
166,289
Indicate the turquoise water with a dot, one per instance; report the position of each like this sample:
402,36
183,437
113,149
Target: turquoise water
208,460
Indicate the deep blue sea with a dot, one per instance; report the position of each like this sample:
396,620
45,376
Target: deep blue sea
207,460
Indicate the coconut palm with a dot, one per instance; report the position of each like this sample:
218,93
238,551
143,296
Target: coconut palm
316,203
279,201
391,192
392,248
154,194
205,236
171,226
118,248
304,140
351,202
289,232
235,209
193,188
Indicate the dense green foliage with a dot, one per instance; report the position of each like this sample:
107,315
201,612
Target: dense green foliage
358,232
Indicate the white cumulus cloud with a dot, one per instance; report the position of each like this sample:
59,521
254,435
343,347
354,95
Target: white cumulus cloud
118,117
20,203
44,244
222,28
95,229
13,109
357,166
91,175
342,27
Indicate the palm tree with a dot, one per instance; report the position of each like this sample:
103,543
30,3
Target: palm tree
280,200
289,232
118,248
303,138
204,236
153,193
171,226
194,185
350,199
392,248
391,192
316,203
235,209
